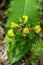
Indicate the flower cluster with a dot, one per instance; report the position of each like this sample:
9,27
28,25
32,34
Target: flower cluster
25,30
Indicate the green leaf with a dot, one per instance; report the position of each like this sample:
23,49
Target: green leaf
23,7
16,50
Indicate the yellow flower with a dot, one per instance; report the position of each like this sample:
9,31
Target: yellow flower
10,32
25,17
20,19
37,28
26,30
14,25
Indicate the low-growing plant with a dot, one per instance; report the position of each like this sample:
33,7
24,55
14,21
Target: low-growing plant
37,52
22,29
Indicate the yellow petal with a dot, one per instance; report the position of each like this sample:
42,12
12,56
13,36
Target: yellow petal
25,17
26,30
10,32
14,25
37,28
